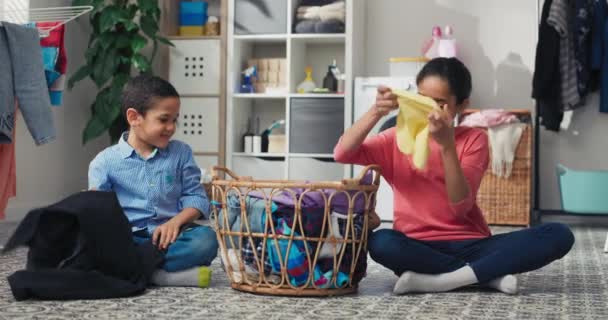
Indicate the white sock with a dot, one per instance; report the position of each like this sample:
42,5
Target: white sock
194,277
410,281
506,284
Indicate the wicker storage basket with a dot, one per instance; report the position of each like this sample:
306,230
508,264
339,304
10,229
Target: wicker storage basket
340,265
507,201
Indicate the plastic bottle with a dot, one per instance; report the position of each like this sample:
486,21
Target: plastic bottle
447,44
432,46
330,82
308,85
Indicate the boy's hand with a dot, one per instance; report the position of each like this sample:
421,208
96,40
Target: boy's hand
386,101
165,234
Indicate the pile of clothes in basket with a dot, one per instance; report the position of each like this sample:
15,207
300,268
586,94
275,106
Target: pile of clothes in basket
320,16
262,253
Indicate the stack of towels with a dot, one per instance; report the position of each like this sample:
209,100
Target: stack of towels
320,16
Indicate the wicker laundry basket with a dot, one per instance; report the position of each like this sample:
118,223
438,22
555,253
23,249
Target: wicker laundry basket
507,201
262,261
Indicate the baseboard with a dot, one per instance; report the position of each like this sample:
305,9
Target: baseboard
16,211
553,215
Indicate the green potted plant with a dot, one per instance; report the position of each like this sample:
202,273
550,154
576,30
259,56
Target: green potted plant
121,29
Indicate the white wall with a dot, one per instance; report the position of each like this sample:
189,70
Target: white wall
497,40
47,173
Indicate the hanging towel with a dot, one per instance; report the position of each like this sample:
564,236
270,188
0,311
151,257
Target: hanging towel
22,77
504,139
412,125
55,61
489,118
504,131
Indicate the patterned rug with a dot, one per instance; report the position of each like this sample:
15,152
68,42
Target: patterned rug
575,287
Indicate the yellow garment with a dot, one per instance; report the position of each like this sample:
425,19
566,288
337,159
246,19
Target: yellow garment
413,125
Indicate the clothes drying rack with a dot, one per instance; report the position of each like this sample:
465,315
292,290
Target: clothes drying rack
57,15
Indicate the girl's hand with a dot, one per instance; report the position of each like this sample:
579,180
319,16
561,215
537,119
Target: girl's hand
441,127
374,221
386,101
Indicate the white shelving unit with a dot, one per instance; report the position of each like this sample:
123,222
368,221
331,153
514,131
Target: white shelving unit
299,50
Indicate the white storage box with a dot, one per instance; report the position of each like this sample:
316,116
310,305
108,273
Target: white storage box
406,66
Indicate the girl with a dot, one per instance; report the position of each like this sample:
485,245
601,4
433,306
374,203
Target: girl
440,240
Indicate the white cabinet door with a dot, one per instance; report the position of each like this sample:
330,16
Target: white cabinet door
194,66
315,170
198,124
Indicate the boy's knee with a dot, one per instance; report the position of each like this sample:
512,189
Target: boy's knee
203,244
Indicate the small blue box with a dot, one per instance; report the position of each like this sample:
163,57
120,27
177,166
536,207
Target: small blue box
192,13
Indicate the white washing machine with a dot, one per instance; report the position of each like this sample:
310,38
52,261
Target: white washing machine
365,95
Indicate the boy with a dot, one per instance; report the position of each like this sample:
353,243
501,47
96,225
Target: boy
158,183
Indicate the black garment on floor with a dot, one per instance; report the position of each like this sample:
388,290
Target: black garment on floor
81,248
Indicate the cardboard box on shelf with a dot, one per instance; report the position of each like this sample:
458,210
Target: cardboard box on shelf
273,64
283,65
273,77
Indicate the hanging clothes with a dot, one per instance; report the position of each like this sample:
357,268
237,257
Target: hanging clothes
560,18
8,175
546,80
22,79
599,53
55,61
582,21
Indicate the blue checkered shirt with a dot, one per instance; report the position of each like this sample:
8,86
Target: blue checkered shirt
153,190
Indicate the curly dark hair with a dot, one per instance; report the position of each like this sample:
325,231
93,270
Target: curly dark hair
451,70
141,93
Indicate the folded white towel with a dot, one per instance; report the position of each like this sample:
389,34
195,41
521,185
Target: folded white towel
503,142
336,10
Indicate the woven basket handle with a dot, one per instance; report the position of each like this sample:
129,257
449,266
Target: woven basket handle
357,181
216,170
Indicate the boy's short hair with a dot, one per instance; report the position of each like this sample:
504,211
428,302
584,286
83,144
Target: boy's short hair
451,70
141,92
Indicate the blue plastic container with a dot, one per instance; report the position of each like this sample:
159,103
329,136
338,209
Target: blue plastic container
583,191
192,13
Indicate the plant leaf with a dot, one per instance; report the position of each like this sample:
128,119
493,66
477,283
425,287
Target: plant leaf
106,107
79,75
81,2
147,5
118,83
130,26
93,130
106,40
140,62
123,41
148,26
109,17
138,42
164,41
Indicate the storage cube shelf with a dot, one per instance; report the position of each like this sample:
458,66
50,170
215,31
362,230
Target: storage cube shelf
171,19
314,121
196,66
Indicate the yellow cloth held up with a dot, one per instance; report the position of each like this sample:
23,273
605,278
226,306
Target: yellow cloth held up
413,125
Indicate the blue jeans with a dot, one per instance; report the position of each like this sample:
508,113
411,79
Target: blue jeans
490,258
195,246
